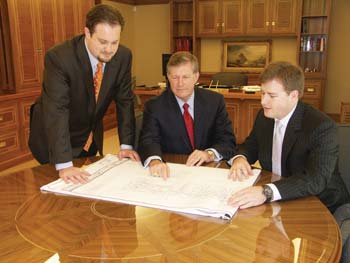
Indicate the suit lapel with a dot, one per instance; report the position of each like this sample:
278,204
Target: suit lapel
199,121
85,64
291,134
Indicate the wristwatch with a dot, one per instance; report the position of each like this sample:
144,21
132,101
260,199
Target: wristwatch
211,154
267,191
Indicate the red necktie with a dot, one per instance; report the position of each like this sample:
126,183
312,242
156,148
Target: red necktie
97,86
189,124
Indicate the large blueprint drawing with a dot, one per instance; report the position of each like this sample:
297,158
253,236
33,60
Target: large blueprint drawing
195,190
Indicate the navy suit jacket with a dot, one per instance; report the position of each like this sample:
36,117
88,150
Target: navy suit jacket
309,162
164,129
66,112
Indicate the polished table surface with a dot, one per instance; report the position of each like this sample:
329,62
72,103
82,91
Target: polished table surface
41,227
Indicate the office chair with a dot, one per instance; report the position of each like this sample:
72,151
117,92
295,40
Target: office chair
234,79
342,214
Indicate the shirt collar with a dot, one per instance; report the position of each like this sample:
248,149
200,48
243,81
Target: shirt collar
190,101
93,61
284,121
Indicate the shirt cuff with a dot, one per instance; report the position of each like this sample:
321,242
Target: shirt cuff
60,166
234,158
126,147
217,155
151,158
276,193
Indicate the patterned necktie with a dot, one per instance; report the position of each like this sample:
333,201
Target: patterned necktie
97,86
277,148
189,124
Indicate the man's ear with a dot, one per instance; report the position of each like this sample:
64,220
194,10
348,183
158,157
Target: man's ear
294,94
196,76
87,32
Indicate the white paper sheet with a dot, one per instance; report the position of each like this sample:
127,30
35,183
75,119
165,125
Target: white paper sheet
195,190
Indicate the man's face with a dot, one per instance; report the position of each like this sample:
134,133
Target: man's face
103,43
182,80
276,102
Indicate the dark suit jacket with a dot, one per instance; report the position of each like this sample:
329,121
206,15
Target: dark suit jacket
164,129
309,155
66,111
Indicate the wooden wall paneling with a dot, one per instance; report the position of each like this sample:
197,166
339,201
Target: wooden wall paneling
208,17
26,47
69,18
233,110
84,7
257,16
232,17
283,16
6,66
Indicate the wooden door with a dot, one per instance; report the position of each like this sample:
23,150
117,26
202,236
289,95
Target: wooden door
258,19
26,43
232,17
208,22
284,16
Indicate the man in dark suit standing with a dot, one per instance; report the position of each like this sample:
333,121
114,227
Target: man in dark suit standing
185,120
81,78
298,143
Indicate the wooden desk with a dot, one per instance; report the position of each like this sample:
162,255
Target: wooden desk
242,108
36,226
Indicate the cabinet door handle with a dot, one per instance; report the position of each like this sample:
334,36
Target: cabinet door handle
1,117
218,24
310,89
267,23
223,24
2,144
273,23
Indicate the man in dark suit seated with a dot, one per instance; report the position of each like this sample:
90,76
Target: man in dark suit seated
81,78
185,120
298,143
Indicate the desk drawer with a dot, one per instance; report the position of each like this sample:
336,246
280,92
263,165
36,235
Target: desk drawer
9,142
312,88
8,114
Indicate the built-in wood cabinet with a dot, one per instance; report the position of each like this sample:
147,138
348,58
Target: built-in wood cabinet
33,26
250,17
272,17
219,18
313,45
37,25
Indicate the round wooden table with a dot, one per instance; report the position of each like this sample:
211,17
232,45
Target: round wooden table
36,227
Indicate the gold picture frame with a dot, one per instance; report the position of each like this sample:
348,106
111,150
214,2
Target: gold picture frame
246,56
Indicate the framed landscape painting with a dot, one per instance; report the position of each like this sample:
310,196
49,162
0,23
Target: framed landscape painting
246,56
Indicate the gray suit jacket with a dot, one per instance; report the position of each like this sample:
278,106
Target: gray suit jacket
66,111
309,155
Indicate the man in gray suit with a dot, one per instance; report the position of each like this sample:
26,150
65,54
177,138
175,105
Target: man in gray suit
67,119
298,143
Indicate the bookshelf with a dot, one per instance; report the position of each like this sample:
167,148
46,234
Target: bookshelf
182,26
314,37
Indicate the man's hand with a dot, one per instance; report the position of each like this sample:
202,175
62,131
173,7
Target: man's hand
240,169
74,174
248,197
197,158
159,169
133,155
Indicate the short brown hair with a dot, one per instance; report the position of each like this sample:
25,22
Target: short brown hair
103,14
290,76
182,57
